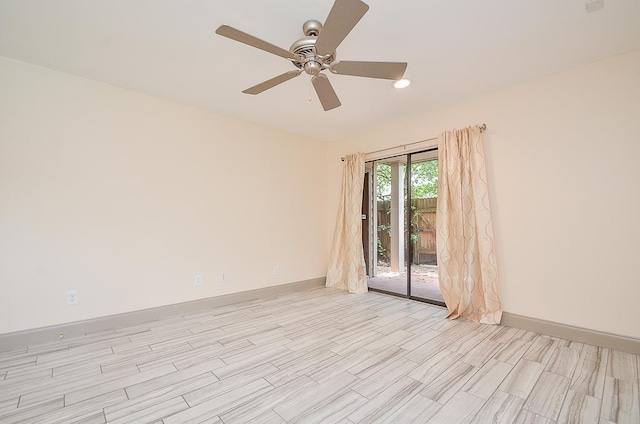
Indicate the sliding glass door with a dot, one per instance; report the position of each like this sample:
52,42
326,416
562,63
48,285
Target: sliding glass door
423,260
389,270
400,226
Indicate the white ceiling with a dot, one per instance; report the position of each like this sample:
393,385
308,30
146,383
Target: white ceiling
456,49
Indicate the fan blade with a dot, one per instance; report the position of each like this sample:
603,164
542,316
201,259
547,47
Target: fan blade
344,15
263,86
250,40
325,92
383,70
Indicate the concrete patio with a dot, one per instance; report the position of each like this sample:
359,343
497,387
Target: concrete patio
424,281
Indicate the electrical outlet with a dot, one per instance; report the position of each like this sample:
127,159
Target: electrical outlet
276,270
197,281
223,277
593,5
72,297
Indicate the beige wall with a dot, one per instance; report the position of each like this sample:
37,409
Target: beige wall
563,158
126,197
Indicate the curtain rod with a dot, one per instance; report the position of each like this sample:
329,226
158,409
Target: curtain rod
483,127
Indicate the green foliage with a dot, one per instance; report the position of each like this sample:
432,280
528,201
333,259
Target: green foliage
424,185
424,180
383,253
383,179
414,226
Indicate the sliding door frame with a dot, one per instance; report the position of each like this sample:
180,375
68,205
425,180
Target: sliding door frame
408,220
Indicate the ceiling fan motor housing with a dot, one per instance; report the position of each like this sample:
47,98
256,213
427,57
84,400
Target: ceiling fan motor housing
311,62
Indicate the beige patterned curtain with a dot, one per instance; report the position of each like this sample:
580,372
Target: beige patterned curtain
466,255
346,261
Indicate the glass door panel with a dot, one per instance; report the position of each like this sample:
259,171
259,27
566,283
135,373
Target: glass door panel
389,273
422,227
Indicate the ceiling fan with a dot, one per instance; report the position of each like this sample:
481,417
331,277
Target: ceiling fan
316,52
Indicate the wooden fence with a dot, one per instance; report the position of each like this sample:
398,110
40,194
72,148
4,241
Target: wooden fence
423,230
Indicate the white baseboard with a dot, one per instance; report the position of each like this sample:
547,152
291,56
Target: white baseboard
569,332
19,339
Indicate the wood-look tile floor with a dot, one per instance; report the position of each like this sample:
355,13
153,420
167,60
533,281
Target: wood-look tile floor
318,356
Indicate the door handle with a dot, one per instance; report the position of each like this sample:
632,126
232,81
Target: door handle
363,216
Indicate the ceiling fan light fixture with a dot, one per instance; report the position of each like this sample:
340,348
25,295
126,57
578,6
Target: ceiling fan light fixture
403,83
312,67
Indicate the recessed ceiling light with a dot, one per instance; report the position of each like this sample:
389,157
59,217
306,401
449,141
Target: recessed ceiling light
403,83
